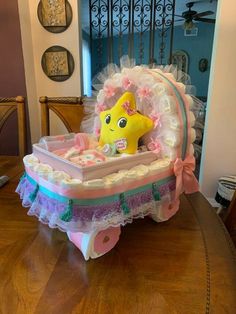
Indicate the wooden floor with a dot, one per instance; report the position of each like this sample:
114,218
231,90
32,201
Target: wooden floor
185,265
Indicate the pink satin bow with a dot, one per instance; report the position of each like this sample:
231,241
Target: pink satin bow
155,117
128,109
185,178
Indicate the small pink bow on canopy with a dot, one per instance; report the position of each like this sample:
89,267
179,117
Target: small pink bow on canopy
185,178
127,83
109,90
154,146
144,93
126,106
155,117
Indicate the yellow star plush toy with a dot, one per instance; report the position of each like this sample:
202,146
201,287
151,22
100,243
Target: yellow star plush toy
122,125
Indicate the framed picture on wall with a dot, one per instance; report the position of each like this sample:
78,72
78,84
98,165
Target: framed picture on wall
57,63
55,15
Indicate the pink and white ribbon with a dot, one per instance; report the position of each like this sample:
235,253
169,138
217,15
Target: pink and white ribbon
155,117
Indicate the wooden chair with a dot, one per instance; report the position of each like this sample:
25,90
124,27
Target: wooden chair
69,109
7,107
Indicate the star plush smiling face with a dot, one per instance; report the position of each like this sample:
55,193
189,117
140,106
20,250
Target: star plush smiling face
122,125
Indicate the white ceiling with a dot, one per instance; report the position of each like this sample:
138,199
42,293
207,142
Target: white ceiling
199,6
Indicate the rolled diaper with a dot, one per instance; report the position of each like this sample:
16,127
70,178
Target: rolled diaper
181,86
72,152
192,118
130,175
159,89
190,101
96,243
140,170
30,161
159,165
43,170
172,121
169,152
171,138
170,76
193,135
114,179
71,183
191,150
58,176
93,184
167,104
123,172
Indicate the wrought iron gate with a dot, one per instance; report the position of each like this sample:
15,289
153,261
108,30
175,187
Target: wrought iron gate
142,29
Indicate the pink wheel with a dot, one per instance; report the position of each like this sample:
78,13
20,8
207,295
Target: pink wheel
166,211
97,243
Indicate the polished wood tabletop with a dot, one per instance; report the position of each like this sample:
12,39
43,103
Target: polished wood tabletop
185,265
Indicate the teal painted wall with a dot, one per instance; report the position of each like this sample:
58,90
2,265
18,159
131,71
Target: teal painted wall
196,47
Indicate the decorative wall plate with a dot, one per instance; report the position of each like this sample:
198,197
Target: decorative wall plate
203,64
55,15
57,63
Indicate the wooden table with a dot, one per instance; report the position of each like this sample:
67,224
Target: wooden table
185,265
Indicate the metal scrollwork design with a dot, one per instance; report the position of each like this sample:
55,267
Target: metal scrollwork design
120,22
139,28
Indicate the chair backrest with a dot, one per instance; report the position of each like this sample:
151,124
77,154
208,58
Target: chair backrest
7,107
69,109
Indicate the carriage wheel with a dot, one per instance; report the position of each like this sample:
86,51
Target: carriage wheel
96,243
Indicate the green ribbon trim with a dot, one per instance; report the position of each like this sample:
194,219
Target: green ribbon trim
68,213
33,195
124,205
102,200
155,193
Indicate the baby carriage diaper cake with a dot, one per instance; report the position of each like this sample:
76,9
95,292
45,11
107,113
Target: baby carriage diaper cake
135,163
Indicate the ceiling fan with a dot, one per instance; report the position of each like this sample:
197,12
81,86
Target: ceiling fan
190,15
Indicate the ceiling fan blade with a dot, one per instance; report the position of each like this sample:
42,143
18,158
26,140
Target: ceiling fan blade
205,20
181,20
204,1
205,13
177,15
